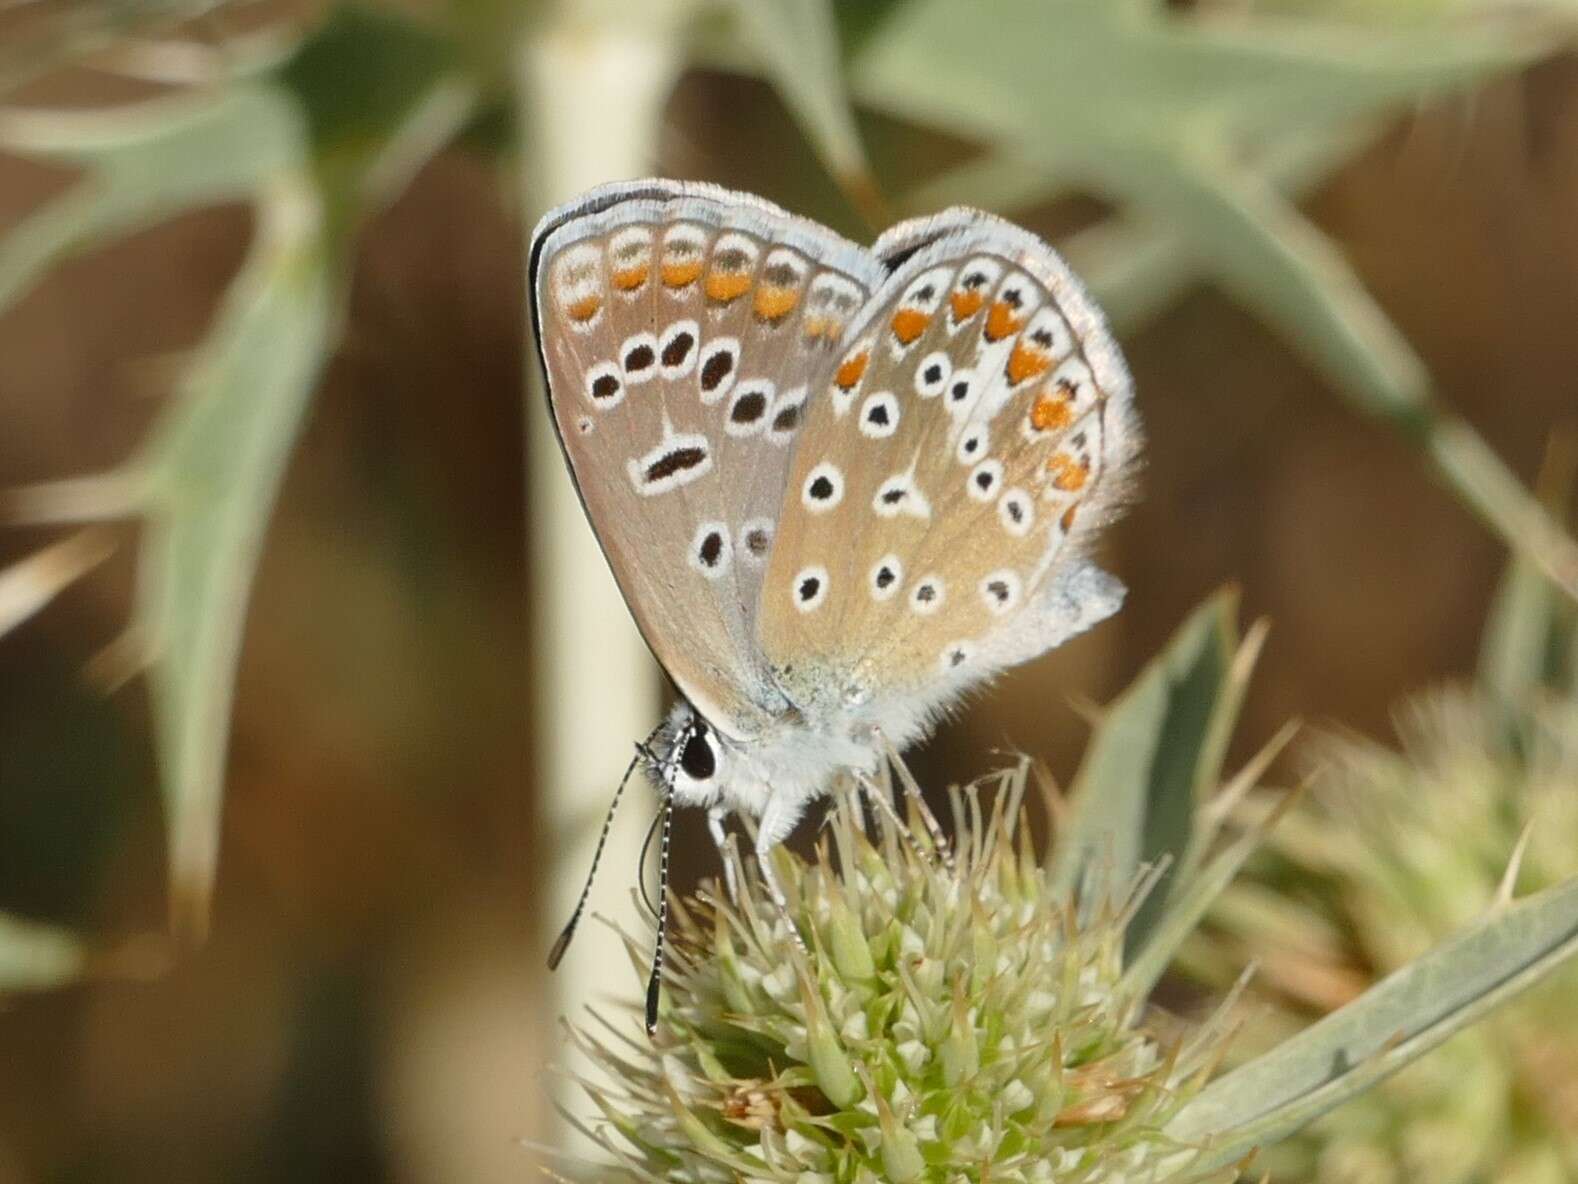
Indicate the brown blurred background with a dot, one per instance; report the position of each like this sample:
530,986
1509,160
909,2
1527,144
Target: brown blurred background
366,1006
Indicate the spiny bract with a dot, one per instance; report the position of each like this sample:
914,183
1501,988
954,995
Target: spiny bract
952,1017
1397,850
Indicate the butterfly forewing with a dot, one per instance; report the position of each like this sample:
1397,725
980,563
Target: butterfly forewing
686,332
978,424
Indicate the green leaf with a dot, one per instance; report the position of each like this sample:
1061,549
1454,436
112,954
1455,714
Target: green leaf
796,45
59,33
1089,74
36,957
1195,895
142,163
1171,116
214,465
1151,758
337,130
1392,1024
1527,622
379,94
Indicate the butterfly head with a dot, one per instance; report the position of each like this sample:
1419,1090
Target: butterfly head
691,758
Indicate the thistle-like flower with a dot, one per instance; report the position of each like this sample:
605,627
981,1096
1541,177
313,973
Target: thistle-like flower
1396,850
971,1013
951,1016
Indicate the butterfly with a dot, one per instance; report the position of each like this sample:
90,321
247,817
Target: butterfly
838,487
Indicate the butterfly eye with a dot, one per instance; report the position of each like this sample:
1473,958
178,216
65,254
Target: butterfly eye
697,758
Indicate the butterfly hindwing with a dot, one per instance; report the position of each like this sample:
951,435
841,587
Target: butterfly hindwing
684,330
977,426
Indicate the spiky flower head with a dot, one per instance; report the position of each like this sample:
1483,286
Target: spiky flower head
950,1016
1397,849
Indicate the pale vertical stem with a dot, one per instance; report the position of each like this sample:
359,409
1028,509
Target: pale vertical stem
591,93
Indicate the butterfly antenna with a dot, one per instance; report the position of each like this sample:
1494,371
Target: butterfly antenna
641,864
654,983
560,946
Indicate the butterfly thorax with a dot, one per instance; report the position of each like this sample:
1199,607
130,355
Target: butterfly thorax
793,760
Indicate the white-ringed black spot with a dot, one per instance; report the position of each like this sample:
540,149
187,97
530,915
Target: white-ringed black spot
1016,511
756,537
879,415
677,349
809,588
786,414
716,368
927,595
932,374
1000,591
748,411
972,446
900,495
604,386
887,576
710,549
823,489
984,480
639,357
677,461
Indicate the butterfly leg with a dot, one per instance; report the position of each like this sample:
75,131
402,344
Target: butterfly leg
715,817
777,820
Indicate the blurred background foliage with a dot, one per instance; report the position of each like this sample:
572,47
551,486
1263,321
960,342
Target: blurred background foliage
260,373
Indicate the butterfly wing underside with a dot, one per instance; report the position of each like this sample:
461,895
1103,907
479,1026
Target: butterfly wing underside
684,331
978,427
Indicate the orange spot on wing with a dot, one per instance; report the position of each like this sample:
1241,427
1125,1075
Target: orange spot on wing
822,328
723,286
965,304
1001,321
584,309
1026,362
1051,411
1067,473
909,323
628,279
852,370
773,304
679,275
1067,521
